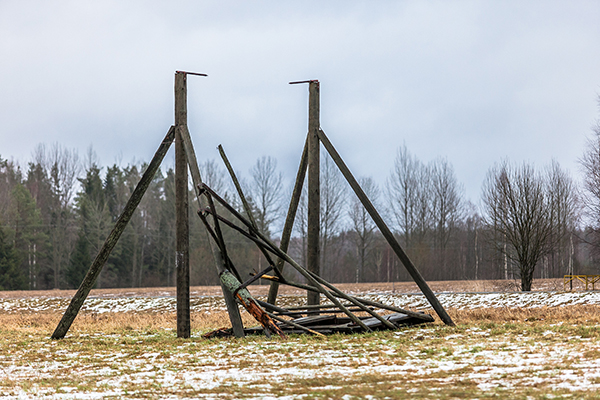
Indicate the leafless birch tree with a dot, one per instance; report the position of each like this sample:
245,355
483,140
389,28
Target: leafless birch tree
333,202
408,193
363,227
565,212
266,193
446,205
62,167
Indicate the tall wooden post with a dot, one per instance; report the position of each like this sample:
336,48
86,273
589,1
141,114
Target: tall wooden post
182,254
314,197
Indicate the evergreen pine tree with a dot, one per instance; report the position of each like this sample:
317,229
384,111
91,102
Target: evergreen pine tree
11,276
94,225
31,242
80,262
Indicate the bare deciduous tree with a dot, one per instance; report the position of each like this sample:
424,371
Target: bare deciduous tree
214,176
333,201
565,210
446,205
62,166
590,163
363,227
408,194
266,193
517,207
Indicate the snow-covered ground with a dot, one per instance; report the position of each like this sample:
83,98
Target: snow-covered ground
494,300
214,303
426,362
513,360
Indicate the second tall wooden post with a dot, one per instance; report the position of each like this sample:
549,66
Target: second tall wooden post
182,255
314,197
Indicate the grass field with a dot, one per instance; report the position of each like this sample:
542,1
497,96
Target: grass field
125,347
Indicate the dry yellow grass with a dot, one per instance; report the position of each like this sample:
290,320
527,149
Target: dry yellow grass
116,322
575,314
113,322
46,321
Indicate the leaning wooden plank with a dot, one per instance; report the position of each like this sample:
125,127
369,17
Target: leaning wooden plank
242,196
286,235
232,308
397,318
374,322
400,319
262,240
422,316
238,187
323,332
425,317
271,307
315,319
341,328
218,235
231,282
223,263
314,307
112,239
385,231
297,314
339,293
293,324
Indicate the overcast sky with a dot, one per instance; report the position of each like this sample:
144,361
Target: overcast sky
472,81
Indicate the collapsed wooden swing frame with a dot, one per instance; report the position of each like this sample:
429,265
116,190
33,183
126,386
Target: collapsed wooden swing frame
313,317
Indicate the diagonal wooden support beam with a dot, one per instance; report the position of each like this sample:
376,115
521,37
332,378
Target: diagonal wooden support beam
242,196
385,231
425,317
286,235
229,278
261,240
92,275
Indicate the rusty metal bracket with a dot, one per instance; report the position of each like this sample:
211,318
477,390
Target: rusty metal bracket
309,81
190,73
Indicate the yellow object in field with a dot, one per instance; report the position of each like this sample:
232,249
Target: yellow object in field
587,279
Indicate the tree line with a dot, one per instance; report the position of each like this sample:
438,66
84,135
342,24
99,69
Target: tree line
531,222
